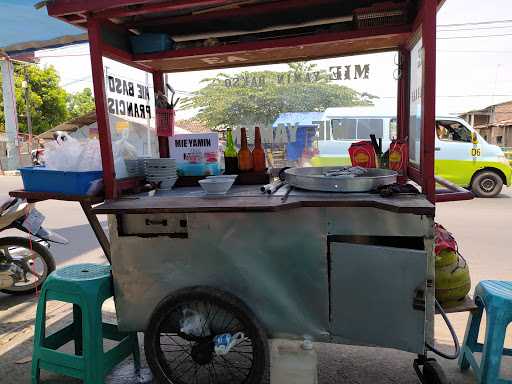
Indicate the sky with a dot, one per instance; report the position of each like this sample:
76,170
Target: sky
474,61
36,24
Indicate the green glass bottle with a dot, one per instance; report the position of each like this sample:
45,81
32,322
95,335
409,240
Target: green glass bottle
230,155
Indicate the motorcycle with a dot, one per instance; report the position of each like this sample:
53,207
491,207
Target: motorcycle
24,262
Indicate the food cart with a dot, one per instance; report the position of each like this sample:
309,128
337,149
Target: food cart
354,268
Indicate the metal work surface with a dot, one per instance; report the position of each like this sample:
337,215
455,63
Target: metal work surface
278,263
316,179
249,198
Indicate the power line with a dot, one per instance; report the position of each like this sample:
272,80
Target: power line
472,37
474,29
476,23
472,51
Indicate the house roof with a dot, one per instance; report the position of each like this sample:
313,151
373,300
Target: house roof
193,126
485,108
70,125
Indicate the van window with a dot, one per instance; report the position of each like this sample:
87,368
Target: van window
360,129
344,129
452,131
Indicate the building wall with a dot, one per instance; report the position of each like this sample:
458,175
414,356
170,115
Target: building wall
503,112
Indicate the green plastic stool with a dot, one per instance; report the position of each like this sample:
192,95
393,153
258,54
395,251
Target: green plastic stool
86,286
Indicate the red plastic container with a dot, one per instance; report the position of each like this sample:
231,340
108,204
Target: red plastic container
363,154
398,156
165,122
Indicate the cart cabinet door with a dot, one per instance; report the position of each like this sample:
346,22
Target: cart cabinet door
372,294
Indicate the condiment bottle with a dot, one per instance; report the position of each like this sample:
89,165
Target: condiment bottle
258,153
245,163
230,155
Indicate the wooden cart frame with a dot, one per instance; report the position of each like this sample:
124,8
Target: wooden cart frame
110,23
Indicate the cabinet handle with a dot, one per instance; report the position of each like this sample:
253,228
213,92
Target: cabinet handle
438,148
156,222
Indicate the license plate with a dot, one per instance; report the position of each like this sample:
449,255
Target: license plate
33,221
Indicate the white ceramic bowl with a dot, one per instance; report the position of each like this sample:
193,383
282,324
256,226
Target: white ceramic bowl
216,186
222,177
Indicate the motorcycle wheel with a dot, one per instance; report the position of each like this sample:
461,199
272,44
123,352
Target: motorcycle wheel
19,248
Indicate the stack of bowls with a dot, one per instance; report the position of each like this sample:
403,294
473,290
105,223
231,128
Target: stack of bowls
161,172
132,167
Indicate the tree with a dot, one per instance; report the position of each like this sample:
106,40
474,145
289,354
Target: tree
80,103
47,98
262,95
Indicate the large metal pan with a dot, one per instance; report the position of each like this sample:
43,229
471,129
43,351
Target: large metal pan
313,179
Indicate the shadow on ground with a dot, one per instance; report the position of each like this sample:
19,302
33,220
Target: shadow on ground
337,364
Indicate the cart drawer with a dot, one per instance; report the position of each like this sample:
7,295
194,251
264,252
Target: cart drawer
150,225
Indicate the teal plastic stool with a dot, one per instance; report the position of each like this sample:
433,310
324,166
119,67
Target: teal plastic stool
86,286
495,297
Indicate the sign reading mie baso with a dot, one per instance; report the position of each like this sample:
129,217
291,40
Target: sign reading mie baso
127,98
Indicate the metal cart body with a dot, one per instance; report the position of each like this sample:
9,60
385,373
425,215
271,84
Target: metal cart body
338,274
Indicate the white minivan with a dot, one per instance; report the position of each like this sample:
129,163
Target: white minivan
462,155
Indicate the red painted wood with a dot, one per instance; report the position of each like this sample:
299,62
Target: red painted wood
254,10
403,95
414,174
277,43
122,57
98,79
452,192
428,26
129,184
66,7
453,196
163,142
158,7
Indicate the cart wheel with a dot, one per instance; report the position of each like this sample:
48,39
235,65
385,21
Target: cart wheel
179,342
433,373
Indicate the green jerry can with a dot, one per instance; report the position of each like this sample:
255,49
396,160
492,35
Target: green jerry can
452,278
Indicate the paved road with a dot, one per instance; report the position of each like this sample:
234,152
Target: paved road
481,226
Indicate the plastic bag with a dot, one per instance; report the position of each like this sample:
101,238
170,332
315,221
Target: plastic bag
69,154
223,343
194,323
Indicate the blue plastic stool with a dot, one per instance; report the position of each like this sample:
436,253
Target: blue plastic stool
86,286
495,297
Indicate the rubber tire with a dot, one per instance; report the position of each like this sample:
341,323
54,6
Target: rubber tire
202,292
479,177
433,373
36,247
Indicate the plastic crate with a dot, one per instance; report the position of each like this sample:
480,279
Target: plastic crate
151,42
40,179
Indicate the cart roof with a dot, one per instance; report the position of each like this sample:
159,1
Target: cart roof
231,33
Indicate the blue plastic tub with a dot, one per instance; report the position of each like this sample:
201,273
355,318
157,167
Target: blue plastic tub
40,179
151,42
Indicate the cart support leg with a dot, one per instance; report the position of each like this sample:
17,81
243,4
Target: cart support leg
98,230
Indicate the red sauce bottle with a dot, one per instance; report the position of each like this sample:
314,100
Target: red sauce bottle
258,153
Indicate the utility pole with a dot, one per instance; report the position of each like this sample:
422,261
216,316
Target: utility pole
26,87
11,119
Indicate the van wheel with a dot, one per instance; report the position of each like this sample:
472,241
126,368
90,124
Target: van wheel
487,184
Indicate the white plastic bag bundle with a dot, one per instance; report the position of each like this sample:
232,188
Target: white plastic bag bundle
68,154
194,323
123,150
